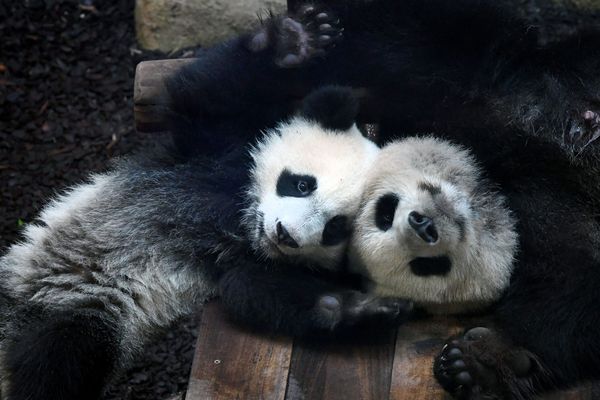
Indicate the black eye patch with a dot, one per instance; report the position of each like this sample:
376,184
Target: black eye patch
336,231
295,185
428,266
385,210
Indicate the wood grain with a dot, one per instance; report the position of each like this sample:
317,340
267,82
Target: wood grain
417,344
231,363
149,93
586,391
342,370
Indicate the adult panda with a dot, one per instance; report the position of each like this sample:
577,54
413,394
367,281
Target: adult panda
432,65
112,261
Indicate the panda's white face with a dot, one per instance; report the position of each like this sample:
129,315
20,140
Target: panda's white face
429,229
407,216
305,190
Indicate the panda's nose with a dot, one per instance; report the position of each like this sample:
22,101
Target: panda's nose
283,236
424,227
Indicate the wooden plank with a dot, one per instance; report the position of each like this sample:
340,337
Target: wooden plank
342,370
417,344
231,363
586,391
149,92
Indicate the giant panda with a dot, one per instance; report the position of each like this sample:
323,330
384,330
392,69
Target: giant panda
113,260
471,72
433,229
433,65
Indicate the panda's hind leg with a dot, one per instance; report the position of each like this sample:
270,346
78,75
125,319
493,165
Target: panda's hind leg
59,355
481,364
298,37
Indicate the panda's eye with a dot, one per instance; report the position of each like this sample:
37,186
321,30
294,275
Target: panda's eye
295,185
385,209
302,187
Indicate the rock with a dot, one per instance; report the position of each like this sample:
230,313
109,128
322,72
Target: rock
170,25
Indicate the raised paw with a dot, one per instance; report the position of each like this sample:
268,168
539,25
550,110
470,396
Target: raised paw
356,309
481,365
307,34
585,129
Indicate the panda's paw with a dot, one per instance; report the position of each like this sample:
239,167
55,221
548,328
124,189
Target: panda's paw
305,35
481,365
584,130
357,309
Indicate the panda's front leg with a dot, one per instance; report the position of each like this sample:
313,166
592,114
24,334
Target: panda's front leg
296,302
481,364
299,37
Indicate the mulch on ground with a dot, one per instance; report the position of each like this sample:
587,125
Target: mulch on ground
66,108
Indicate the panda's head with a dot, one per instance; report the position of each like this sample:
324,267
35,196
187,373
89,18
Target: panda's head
307,179
410,206
430,228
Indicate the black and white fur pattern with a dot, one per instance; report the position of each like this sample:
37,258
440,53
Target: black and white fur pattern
330,163
113,260
432,229
471,71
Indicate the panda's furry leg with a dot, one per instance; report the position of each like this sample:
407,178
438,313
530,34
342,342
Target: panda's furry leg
247,84
302,36
59,355
482,364
294,301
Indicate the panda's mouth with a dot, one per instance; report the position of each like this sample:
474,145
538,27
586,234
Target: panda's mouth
431,266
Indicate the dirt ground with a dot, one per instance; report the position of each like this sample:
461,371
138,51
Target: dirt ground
66,77
66,108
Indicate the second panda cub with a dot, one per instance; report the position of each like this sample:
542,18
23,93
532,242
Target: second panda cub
432,229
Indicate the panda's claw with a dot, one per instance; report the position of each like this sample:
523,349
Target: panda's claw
584,130
482,363
305,36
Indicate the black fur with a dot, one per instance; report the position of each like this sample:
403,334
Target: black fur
428,266
61,356
336,230
332,107
293,300
294,185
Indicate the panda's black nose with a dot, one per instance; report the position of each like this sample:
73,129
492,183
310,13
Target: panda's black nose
424,227
283,236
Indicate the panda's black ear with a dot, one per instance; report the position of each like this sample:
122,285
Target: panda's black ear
332,107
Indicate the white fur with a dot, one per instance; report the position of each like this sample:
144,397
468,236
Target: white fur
482,260
338,160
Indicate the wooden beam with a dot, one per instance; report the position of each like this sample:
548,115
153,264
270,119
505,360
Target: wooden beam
342,370
417,344
231,363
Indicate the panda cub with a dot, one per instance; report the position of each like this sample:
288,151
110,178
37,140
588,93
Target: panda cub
432,229
112,261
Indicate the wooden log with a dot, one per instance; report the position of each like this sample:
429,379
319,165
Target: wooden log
230,363
149,93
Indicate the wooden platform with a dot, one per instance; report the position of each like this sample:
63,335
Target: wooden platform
232,363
